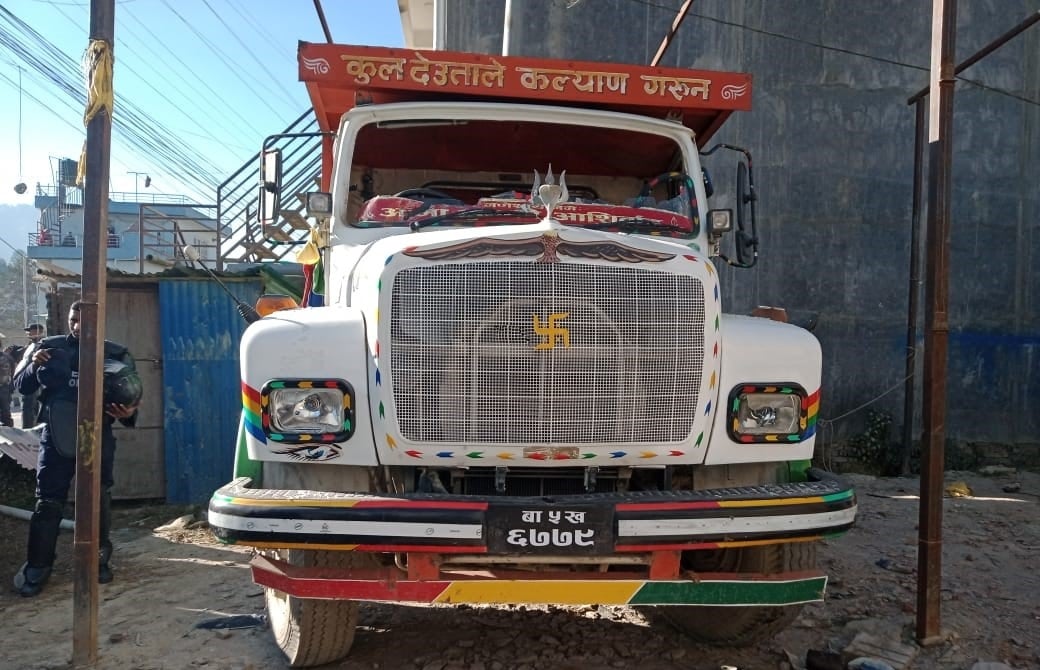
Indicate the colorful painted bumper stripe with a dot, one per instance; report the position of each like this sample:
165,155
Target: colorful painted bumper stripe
791,589
646,592
429,523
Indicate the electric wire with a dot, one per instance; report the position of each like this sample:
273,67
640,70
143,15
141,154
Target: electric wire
224,58
41,103
213,94
38,101
141,131
256,59
265,36
124,63
827,47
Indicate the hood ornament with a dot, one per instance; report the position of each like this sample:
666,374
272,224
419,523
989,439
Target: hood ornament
549,194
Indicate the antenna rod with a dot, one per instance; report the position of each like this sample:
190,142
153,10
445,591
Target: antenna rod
19,124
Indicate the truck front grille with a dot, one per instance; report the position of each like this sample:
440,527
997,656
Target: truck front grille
523,353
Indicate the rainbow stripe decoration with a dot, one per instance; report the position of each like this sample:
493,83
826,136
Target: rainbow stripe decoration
251,413
256,412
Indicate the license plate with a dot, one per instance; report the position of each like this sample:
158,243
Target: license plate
565,530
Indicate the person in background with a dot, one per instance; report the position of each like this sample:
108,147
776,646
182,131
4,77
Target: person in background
6,372
30,402
54,368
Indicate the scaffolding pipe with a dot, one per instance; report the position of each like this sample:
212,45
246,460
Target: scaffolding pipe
19,513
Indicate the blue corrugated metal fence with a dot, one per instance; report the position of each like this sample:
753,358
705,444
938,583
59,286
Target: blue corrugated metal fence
202,397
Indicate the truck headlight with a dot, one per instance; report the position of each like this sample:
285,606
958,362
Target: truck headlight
307,410
767,413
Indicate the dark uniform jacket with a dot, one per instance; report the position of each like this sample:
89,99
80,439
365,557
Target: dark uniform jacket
58,381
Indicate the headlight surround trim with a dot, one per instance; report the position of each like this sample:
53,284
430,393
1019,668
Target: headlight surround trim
786,390
345,428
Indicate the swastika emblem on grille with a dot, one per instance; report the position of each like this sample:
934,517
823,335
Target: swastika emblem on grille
545,355
552,331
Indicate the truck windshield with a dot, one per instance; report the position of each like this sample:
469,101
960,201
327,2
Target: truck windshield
484,173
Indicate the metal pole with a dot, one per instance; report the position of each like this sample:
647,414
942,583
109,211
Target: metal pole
667,41
140,238
937,325
915,288
137,175
917,99
324,23
984,51
439,25
25,289
92,333
507,21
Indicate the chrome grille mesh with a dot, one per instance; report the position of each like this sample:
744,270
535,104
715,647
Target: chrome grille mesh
464,367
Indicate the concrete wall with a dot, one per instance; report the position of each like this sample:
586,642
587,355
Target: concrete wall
832,138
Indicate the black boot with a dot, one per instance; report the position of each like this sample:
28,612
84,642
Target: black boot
43,536
104,573
104,526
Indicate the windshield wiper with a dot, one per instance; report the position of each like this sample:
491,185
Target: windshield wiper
473,214
639,223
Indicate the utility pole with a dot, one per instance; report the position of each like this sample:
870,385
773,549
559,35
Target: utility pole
937,322
136,176
98,120
25,290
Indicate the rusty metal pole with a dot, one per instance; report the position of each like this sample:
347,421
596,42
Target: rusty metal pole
667,41
914,292
1019,28
98,119
937,325
917,99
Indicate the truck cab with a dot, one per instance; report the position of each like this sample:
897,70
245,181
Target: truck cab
517,383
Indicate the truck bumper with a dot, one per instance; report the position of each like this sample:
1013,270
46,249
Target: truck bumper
467,549
557,525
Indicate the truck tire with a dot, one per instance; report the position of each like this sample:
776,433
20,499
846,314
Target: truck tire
309,631
740,626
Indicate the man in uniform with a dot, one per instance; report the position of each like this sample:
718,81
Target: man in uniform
31,402
6,372
54,368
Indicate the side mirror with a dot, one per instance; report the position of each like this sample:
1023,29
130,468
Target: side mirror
746,242
709,187
270,186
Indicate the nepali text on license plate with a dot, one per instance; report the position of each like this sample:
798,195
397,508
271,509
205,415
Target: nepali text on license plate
569,530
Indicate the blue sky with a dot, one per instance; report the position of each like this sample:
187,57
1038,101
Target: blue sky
211,77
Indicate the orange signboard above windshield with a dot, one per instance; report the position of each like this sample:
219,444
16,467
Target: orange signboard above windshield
331,70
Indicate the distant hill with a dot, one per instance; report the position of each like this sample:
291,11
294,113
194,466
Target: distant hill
16,223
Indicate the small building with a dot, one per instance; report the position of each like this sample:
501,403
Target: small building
146,232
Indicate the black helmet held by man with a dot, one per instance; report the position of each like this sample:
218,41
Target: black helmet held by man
122,384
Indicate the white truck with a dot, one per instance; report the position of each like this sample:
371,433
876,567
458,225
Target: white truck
520,385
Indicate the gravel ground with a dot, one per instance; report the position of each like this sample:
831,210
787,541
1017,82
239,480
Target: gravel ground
168,581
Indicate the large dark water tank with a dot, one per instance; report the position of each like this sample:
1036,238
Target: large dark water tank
67,172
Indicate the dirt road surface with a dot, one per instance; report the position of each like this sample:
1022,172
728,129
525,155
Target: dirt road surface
168,582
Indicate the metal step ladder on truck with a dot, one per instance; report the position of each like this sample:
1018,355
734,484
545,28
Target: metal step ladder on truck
521,386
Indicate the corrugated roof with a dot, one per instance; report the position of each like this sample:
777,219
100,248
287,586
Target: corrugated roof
278,277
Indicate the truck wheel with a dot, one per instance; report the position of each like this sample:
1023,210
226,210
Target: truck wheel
740,626
310,631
